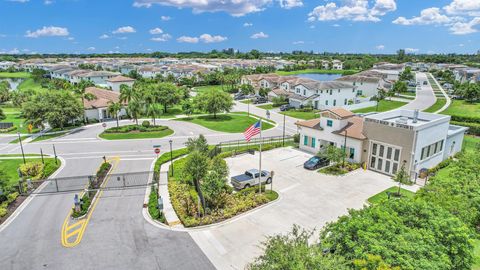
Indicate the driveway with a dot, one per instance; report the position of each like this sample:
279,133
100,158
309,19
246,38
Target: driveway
425,96
307,198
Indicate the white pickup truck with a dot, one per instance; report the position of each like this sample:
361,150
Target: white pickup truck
250,178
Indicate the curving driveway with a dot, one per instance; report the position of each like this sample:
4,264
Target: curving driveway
424,98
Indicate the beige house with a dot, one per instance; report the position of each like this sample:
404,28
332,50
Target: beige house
115,82
97,108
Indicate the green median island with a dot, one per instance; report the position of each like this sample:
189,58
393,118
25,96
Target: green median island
231,123
390,193
144,131
383,106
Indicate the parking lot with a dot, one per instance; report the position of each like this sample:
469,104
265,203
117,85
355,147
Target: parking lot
307,198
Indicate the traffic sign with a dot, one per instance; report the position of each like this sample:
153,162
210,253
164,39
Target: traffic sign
156,146
157,151
104,125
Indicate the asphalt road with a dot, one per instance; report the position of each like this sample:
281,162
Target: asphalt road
117,236
424,97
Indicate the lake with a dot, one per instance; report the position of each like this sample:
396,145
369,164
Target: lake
14,82
319,77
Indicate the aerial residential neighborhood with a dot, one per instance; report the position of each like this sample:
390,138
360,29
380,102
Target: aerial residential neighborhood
259,135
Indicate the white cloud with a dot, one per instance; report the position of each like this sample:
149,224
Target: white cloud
47,2
247,24
380,47
162,38
156,31
298,42
470,7
186,39
70,38
288,4
123,38
336,25
3,35
233,7
465,28
104,36
124,29
165,18
353,10
14,51
427,16
259,35
91,48
411,50
19,1
207,38
48,31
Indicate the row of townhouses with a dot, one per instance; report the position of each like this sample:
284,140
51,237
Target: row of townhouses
324,64
344,91
385,141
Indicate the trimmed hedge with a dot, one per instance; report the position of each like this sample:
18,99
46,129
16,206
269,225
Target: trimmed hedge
133,128
473,128
468,119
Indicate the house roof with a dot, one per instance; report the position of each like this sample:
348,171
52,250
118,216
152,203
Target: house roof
102,100
312,123
340,112
353,129
120,78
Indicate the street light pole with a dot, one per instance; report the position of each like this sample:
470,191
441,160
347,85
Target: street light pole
41,154
171,155
55,154
283,139
344,148
21,147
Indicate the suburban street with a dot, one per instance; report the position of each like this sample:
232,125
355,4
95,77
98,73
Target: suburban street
424,97
117,230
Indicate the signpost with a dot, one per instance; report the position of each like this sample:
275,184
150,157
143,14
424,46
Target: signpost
157,151
104,125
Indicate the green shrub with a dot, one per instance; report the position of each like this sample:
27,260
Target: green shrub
6,130
12,197
102,171
473,128
32,170
136,128
3,211
296,138
146,123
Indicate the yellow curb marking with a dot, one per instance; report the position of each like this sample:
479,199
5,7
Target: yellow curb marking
66,227
173,223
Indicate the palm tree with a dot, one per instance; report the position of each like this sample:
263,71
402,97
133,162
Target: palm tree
80,89
134,109
127,93
154,110
114,109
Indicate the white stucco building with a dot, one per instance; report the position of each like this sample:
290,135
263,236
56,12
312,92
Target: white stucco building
115,82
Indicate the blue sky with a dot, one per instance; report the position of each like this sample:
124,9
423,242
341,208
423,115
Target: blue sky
363,26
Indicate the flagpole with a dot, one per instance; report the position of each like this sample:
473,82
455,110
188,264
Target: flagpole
260,160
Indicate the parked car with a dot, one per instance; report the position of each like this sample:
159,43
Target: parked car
239,96
285,107
250,179
315,163
260,100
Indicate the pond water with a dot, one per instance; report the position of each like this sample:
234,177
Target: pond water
319,77
14,82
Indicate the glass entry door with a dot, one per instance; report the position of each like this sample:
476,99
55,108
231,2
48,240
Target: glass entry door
384,158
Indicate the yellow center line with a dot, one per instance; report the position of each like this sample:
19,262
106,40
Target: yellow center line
66,227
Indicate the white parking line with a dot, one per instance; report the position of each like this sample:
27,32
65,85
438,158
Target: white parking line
214,242
289,188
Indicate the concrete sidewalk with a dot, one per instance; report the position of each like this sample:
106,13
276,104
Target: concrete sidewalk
170,215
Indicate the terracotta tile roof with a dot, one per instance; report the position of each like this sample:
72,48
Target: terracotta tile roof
102,100
120,78
340,112
312,123
353,128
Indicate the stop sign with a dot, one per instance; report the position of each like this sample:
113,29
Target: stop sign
157,151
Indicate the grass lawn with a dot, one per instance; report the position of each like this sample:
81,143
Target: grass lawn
10,166
377,198
231,123
317,71
463,108
266,106
13,116
200,89
246,101
136,134
17,140
30,84
15,75
48,137
476,255
301,115
437,105
383,106
20,155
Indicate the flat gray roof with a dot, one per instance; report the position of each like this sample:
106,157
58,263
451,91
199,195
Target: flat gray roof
405,117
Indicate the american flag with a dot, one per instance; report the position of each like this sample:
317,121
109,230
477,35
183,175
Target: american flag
252,131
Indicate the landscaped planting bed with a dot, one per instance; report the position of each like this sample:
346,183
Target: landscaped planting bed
136,132
87,199
338,169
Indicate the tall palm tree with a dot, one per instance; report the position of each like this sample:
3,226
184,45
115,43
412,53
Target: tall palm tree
154,110
114,109
127,93
134,109
80,89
